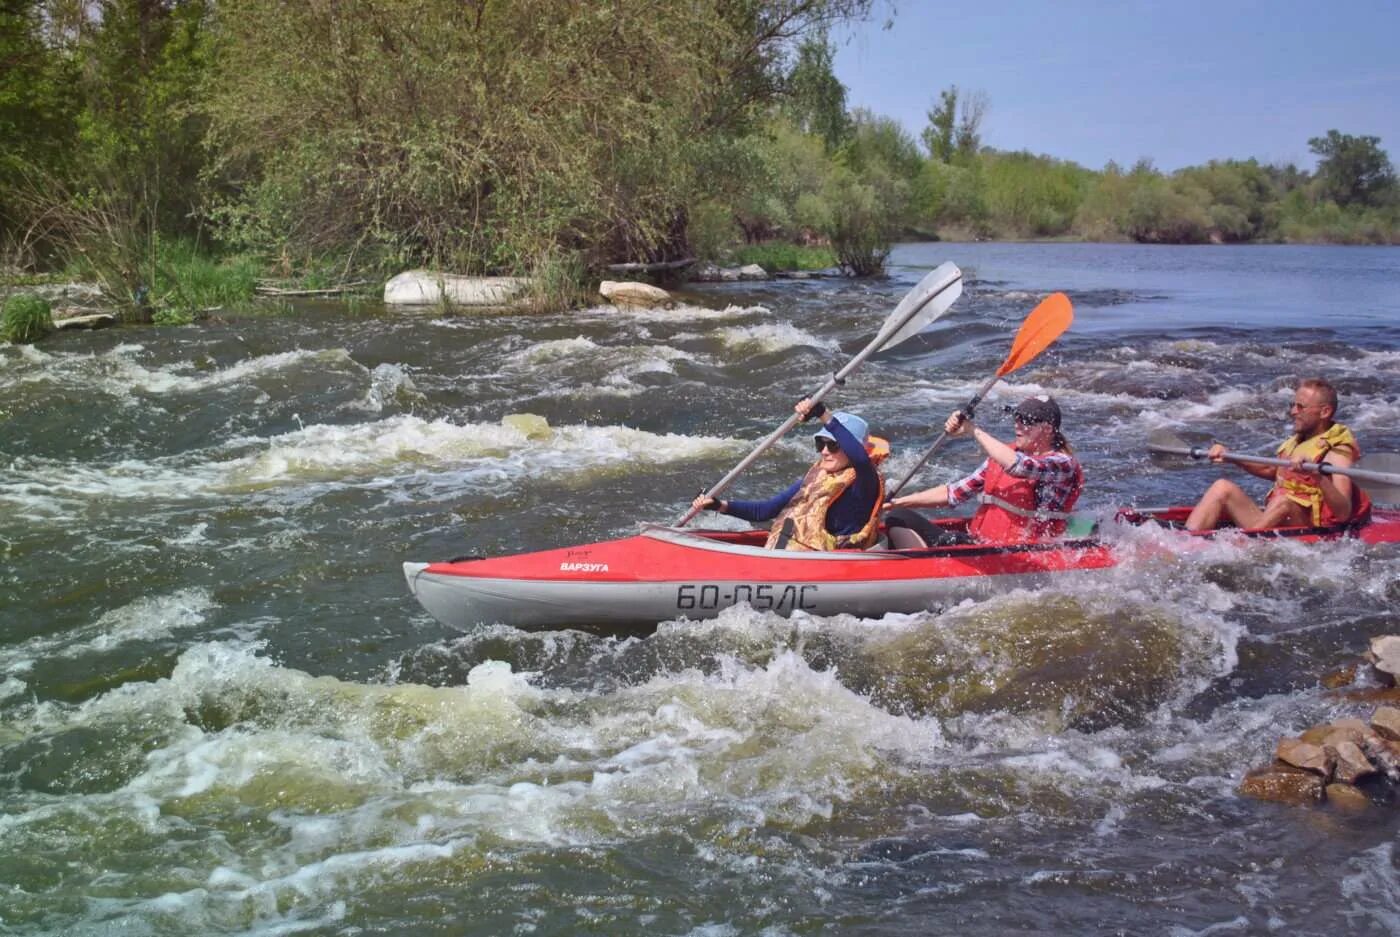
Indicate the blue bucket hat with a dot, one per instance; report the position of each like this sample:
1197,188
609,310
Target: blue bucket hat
854,425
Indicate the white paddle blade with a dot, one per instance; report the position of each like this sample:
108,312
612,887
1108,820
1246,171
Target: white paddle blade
1379,474
930,298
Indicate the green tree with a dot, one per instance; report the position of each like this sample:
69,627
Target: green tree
954,128
968,139
129,169
1030,195
858,224
947,194
495,135
37,124
816,98
938,136
1353,170
1240,198
881,141
871,194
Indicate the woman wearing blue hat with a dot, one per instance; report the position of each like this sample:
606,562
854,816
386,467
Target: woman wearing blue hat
836,504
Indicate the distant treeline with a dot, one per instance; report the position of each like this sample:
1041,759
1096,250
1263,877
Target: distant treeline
825,168
539,137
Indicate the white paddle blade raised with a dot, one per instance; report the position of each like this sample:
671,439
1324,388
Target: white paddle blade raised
930,298
1379,474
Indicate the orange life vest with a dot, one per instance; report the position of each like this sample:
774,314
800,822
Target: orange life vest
1302,489
1010,511
802,524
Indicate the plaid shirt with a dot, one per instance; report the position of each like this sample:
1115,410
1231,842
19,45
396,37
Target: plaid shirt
1054,474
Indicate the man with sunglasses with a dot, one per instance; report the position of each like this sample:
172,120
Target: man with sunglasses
1026,488
1299,498
836,504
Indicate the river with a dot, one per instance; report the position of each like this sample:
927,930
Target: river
222,712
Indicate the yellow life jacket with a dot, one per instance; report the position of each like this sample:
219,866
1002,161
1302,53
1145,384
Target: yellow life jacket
1302,489
802,524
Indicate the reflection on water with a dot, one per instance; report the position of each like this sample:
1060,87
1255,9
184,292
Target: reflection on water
222,712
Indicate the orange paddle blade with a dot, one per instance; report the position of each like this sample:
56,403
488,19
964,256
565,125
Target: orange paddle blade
1046,323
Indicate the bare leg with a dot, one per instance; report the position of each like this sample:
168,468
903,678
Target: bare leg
1282,512
1224,499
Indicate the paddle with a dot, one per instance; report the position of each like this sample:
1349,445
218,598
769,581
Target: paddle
1045,323
930,298
1380,477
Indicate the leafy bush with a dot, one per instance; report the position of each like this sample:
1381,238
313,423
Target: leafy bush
26,318
712,229
783,256
489,138
173,316
860,228
1031,195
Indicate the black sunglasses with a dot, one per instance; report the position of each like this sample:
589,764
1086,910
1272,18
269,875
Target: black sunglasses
1022,420
828,445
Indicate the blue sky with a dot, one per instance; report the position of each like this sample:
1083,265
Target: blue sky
1177,82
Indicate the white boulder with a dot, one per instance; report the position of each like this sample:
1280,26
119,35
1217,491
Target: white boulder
430,287
631,293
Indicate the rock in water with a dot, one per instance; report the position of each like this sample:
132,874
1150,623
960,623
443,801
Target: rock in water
1386,722
532,425
1385,651
628,293
1283,785
1345,797
430,287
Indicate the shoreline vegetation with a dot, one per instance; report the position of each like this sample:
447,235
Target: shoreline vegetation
181,152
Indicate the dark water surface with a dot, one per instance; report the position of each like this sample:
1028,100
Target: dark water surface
221,711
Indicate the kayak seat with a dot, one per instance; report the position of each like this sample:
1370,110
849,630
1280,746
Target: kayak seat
902,538
1081,525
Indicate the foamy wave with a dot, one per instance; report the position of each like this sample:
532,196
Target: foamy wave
952,394
556,349
118,374
678,314
770,337
497,755
619,364
407,443
389,385
146,619
474,454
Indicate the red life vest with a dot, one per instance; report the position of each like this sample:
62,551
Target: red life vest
1010,511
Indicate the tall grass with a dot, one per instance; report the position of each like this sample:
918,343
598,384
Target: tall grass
557,281
169,282
184,281
25,318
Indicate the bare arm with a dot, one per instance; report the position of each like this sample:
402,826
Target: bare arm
959,426
1336,489
1217,454
928,498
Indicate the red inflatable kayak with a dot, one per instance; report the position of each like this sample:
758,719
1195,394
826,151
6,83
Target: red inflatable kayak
663,573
